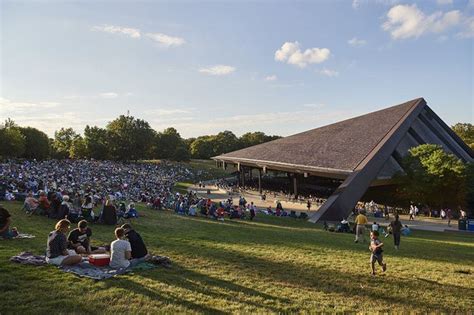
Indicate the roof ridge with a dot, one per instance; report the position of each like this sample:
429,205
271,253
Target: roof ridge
395,125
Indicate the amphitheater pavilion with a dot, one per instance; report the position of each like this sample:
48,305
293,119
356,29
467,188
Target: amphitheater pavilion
361,152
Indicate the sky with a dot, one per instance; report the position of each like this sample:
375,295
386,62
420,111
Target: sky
280,67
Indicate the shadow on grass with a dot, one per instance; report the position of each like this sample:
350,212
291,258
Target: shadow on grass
319,279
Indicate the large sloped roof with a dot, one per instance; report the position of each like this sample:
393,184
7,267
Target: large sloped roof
339,146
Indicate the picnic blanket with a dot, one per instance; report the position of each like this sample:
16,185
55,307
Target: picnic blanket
27,258
19,236
24,235
86,270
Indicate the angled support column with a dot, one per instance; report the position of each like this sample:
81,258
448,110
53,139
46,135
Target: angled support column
346,196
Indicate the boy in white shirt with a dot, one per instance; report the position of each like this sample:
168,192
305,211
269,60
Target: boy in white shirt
121,251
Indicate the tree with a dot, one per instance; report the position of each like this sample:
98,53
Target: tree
37,144
465,131
225,141
78,148
12,141
167,144
253,138
96,143
63,139
129,138
433,177
203,147
470,188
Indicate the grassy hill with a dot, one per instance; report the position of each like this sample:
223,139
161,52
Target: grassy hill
269,265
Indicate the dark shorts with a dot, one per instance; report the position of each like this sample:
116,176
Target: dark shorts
376,258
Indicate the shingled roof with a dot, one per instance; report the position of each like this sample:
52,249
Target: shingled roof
357,150
339,146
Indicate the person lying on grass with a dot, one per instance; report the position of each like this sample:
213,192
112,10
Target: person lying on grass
121,252
79,240
56,251
376,248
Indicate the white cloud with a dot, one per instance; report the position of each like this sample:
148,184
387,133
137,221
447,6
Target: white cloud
468,31
405,21
356,42
271,78
355,4
217,70
113,29
168,112
443,2
329,72
8,106
165,40
108,95
291,53
314,105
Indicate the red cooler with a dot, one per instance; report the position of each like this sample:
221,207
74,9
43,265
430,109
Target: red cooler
99,259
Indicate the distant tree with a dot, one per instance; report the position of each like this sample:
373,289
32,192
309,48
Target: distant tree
37,144
78,148
469,174
129,138
253,138
167,144
181,153
466,132
12,141
63,139
433,177
203,147
96,142
225,141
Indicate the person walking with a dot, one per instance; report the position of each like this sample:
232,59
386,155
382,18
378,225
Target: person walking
412,213
360,221
396,227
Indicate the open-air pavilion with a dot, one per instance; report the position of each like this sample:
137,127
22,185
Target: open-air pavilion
361,152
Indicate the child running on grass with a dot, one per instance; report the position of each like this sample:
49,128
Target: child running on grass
376,249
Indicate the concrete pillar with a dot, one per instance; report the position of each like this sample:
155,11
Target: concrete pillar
295,186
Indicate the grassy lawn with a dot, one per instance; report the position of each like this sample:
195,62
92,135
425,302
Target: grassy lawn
270,265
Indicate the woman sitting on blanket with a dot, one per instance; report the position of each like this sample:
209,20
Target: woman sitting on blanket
56,251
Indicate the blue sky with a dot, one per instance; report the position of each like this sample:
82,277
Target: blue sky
202,67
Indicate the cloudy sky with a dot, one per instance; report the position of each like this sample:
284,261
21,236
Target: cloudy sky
275,66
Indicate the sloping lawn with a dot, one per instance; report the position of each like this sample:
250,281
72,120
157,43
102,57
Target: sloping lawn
270,265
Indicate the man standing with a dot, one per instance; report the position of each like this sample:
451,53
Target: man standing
360,221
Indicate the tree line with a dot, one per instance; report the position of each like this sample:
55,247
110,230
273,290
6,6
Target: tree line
125,138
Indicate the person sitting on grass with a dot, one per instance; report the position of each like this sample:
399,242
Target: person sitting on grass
109,213
376,248
44,204
131,212
56,251
31,204
86,209
79,240
121,252
5,222
139,251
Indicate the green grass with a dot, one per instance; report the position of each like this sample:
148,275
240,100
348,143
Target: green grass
211,171
271,265
182,187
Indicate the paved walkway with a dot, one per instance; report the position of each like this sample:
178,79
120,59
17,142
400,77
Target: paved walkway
420,223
